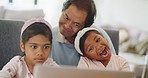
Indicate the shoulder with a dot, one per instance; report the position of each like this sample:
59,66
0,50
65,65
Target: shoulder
14,62
16,59
119,58
50,62
84,59
55,29
121,62
12,66
83,62
55,33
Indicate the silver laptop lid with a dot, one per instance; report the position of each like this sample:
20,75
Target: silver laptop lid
71,72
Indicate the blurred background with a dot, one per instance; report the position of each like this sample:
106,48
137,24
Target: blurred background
129,17
132,13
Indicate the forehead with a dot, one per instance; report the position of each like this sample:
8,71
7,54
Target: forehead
94,32
39,39
76,14
91,34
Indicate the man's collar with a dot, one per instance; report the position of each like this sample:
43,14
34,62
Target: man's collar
61,38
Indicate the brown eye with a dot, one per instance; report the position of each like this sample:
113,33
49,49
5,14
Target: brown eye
66,18
90,49
76,24
98,39
46,47
33,47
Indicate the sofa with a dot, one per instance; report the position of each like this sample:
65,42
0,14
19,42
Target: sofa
133,46
9,39
20,13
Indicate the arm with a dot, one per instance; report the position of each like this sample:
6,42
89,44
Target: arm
4,74
10,69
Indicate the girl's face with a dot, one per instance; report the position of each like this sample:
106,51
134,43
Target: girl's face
96,47
37,49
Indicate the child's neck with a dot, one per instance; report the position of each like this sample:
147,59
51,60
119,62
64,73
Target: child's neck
105,63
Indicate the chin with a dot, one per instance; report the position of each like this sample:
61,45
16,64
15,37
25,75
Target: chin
40,61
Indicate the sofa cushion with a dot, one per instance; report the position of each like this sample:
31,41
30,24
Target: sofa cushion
24,14
123,35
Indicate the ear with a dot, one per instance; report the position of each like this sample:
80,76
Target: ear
22,46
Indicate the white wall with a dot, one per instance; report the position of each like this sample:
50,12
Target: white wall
52,9
132,13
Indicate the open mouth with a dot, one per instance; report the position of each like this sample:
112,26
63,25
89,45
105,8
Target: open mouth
104,52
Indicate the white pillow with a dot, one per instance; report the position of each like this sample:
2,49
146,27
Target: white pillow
143,36
23,14
123,35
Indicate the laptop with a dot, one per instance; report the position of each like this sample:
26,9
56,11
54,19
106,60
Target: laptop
41,71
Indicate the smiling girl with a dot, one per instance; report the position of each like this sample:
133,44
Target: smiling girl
94,46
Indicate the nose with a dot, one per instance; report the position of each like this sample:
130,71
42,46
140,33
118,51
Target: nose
40,52
98,47
68,24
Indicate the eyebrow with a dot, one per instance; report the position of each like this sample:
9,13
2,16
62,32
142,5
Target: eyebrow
95,37
44,44
66,15
70,19
87,47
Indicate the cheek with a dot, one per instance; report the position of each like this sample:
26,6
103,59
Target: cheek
75,30
61,21
91,55
106,44
29,55
47,52
29,51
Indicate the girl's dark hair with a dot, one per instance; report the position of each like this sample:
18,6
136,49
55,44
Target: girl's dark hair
36,29
83,38
86,5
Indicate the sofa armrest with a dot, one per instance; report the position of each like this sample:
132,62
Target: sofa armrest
25,14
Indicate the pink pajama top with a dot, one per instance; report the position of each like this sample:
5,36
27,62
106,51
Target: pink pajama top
116,63
17,68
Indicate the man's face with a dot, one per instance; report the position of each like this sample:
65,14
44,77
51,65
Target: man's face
71,21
